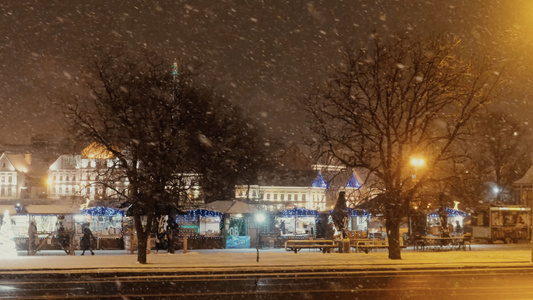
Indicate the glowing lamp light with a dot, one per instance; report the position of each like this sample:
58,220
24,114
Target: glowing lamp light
496,190
260,217
417,162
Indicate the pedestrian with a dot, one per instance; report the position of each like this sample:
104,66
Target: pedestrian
62,237
458,228
86,240
32,237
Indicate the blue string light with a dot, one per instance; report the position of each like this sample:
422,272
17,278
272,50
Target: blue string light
194,215
103,211
451,213
299,212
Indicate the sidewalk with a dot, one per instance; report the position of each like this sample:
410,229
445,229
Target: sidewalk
275,259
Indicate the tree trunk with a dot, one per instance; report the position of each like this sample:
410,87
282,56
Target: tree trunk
393,235
142,236
172,234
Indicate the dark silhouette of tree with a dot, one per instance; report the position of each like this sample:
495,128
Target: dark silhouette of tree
500,154
394,99
163,132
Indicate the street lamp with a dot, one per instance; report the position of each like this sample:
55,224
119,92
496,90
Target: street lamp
416,163
259,219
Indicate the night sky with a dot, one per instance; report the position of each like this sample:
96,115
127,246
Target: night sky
262,54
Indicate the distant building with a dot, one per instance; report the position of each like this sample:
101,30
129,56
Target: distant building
13,170
299,183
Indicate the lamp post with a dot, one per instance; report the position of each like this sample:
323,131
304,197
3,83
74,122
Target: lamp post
416,163
259,219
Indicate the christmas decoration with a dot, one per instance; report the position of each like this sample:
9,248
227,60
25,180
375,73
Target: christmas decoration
7,242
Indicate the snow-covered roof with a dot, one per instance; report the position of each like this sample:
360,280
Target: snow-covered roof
10,208
52,209
527,178
232,207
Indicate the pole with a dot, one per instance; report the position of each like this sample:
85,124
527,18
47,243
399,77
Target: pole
185,244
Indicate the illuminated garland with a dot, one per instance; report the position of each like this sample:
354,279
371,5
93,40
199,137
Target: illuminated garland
194,215
451,213
103,211
357,213
299,212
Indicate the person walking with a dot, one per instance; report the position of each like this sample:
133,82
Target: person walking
86,241
32,237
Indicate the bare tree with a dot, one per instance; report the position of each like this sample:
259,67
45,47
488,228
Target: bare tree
391,101
151,120
500,154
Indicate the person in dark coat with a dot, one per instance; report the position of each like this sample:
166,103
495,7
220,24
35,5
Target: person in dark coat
86,239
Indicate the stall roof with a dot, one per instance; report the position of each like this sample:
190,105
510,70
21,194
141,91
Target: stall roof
10,208
232,207
35,209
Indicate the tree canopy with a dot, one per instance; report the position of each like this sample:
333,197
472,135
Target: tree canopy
393,100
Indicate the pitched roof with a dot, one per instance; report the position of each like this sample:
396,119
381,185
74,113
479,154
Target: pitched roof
527,178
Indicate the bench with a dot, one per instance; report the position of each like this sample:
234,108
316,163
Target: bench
297,245
369,245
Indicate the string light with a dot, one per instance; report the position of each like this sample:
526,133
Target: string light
103,211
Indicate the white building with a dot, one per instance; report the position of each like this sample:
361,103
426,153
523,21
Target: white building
279,197
13,170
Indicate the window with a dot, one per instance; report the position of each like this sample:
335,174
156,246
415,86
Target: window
54,191
55,178
295,197
66,178
3,165
60,190
10,179
289,196
282,197
3,179
67,190
9,192
275,196
60,178
3,192
73,177
268,197
303,197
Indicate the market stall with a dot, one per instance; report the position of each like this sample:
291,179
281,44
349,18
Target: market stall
105,224
240,228
297,223
202,229
454,222
46,219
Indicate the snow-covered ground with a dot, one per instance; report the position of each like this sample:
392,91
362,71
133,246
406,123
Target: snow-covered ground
481,255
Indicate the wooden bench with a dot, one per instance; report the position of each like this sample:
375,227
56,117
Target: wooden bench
369,245
297,245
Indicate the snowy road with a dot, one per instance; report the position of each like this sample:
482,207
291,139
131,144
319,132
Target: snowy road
476,283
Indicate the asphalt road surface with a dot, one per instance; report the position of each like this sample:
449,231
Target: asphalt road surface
472,283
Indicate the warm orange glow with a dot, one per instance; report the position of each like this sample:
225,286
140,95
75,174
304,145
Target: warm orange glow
417,162
97,151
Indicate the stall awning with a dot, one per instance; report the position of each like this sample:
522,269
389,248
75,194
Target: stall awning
232,207
35,209
10,208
